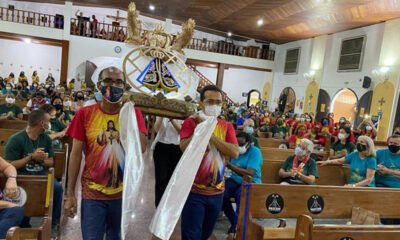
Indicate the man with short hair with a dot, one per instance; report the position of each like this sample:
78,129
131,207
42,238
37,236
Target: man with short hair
95,130
204,202
10,110
30,151
388,174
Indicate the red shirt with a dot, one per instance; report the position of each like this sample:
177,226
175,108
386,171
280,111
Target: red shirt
209,179
104,155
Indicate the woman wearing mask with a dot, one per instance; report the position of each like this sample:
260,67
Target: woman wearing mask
68,106
57,129
248,163
35,78
7,89
362,163
367,128
62,116
342,146
34,87
19,93
295,138
11,78
50,78
300,168
10,110
79,101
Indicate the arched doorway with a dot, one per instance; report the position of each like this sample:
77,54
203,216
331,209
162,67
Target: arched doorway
363,107
344,104
287,100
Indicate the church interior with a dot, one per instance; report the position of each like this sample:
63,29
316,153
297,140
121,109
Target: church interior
196,120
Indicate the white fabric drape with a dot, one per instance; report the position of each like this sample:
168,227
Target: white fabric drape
179,186
134,165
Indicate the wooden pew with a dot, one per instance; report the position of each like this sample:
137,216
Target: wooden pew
282,201
271,142
306,230
13,124
5,134
328,175
39,203
279,154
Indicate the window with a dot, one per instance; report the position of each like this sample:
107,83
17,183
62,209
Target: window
292,61
351,54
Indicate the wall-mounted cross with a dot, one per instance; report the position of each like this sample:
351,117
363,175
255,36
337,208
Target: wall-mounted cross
382,101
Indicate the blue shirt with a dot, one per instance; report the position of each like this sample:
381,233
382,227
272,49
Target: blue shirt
358,167
391,161
252,158
239,121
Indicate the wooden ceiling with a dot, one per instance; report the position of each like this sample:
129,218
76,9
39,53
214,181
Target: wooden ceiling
284,20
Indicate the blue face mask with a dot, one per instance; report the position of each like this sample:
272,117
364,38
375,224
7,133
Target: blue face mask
325,122
98,96
249,130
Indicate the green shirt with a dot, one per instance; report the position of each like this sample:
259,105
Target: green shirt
4,110
66,115
310,168
279,131
20,145
338,147
57,125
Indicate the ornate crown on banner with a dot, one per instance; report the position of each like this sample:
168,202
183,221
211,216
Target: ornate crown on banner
156,70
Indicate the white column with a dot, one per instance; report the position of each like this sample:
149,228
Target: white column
168,26
67,20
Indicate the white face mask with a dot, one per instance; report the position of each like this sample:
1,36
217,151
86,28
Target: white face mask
341,136
242,149
10,100
8,88
369,128
67,103
213,110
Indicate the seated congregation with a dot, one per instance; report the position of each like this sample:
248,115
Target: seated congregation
266,158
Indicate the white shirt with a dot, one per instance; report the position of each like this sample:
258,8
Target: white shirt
167,133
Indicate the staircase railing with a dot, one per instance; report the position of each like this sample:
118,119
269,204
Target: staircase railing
204,81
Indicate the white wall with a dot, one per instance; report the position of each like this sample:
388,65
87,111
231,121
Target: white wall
17,56
332,80
238,81
296,81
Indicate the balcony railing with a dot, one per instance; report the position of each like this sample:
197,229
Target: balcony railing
114,32
31,18
104,31
231,49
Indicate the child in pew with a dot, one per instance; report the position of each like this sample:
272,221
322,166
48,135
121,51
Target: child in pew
343,145
248,163
30,151
10,214
362,163
300,168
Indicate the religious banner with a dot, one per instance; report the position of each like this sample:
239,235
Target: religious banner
362,111
322,108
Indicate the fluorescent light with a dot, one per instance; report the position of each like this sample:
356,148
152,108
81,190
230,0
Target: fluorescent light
384,69
152,7
27,40
260,22
229,34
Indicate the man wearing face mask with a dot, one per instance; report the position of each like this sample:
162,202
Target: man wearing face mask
388,174
389,164
95,129
248,163
204,202
10,110
31,152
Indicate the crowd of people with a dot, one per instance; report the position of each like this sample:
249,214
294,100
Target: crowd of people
90,118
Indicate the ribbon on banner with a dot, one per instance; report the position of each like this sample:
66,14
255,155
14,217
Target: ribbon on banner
180,184
134,165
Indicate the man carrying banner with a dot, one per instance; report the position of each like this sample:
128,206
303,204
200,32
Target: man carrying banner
204,202
95,129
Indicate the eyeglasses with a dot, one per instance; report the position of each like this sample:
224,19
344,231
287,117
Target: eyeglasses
213,102
109,82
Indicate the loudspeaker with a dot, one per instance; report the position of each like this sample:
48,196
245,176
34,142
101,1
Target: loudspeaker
366,82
